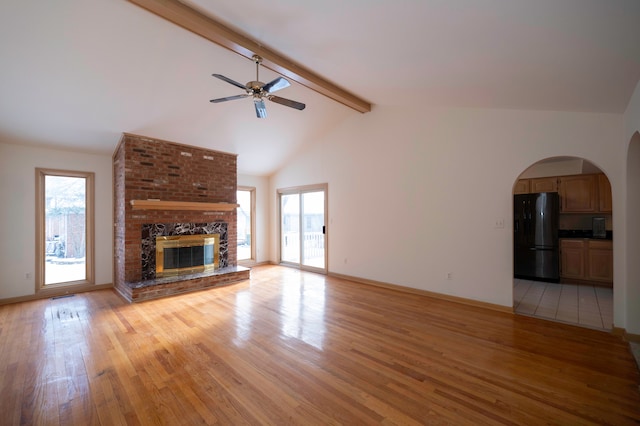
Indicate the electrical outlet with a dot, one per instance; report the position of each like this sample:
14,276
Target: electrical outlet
449,275
27,276
499,223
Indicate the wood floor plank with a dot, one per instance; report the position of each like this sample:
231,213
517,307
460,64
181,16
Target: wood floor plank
290,347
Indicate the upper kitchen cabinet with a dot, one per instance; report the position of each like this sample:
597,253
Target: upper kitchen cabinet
578,194
535,185
585,193
604,194
546,184
522,186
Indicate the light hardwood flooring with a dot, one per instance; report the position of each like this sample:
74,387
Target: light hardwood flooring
289,347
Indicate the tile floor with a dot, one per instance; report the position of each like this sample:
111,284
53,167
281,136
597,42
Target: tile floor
587,306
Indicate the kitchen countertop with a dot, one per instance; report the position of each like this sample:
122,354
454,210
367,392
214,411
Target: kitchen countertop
582,233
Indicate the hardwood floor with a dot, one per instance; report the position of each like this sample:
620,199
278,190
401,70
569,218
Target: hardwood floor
289,347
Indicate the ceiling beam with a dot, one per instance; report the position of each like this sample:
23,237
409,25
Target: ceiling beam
215,31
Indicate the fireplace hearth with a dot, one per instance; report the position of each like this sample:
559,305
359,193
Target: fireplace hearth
188,278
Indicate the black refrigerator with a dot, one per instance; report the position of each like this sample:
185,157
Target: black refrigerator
536,254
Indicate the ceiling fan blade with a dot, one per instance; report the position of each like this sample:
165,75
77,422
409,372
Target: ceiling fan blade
261,110
287,102
228,98
228,80
277,84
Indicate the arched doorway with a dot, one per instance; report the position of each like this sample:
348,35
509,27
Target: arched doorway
581,290
632,299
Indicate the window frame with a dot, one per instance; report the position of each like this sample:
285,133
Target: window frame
252,197
41,174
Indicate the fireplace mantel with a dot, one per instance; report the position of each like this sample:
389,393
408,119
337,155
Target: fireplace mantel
181,205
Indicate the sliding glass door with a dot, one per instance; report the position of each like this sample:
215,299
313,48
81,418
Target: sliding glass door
302,227
290,228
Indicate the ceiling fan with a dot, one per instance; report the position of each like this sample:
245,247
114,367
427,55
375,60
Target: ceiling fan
260,91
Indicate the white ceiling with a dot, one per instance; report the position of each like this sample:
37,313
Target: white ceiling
77,73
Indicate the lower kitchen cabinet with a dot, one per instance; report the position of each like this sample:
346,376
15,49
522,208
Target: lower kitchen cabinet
572,259
587,260
600,261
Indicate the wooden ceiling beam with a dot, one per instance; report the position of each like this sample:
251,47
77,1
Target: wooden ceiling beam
215,31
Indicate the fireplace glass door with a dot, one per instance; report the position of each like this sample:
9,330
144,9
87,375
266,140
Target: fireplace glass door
185,254
302,228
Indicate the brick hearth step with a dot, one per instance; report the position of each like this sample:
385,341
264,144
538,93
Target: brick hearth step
168,286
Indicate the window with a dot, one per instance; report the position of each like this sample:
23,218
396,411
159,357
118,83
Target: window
64,228
246,197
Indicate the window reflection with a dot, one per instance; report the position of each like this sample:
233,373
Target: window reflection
243,317
302,310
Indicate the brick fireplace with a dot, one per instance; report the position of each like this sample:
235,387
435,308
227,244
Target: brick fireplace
164,188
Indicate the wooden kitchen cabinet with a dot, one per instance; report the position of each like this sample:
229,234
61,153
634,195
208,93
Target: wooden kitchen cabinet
588,193
604,194
521,187
587,261
600,261
572,259
578,194
546,184
535,185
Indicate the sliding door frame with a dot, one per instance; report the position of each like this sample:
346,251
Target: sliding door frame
300,190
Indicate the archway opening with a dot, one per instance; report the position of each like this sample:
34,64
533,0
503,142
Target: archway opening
563,243
632,299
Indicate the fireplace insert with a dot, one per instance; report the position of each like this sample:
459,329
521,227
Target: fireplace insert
184,254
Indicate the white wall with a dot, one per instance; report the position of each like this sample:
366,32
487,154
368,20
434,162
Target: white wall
414,193
631,297
17,212
632,115
263,204
554,167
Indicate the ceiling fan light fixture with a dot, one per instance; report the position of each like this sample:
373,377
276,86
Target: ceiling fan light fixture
259,91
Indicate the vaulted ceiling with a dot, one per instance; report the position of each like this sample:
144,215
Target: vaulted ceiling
76,74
